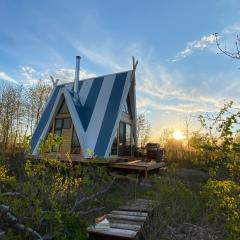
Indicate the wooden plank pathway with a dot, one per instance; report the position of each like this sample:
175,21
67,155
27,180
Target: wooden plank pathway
126,222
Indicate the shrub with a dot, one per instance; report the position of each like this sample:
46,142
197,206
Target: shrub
176,204
223,202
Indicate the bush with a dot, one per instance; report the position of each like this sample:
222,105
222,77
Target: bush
223,202
46,198
176,204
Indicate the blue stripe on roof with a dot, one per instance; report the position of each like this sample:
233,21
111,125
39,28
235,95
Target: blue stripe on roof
111,114
91,101
85,111
44,119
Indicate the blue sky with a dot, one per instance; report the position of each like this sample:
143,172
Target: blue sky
179,70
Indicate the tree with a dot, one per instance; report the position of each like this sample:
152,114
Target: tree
188,121
36,97
11,117
20,110
232,54
143,130
221,140
166,134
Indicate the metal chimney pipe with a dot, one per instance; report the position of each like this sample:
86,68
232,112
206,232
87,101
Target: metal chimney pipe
77,73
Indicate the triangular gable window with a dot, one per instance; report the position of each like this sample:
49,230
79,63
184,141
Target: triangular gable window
63,108
126,106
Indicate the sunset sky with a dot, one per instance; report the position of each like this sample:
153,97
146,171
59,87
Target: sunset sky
179,69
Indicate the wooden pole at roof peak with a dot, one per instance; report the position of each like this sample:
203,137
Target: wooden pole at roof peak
135,63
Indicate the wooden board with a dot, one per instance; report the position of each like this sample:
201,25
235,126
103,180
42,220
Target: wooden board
133,227
125,222
139,214
140,205
115,232
138,165
126,217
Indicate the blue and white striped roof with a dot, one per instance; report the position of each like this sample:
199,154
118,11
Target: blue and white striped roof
95,115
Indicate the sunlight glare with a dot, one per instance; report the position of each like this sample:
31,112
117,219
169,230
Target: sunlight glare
178,135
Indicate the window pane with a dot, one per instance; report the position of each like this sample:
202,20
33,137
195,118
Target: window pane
51,128
121,147
58,132
126,106
124,139
75,147
67,123
128,140
115,144
58,123
63,108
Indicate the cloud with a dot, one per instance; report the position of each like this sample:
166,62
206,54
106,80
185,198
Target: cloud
31,76
200,44
205,41
145,103
159,88
68,74
231,29
103,56
6,77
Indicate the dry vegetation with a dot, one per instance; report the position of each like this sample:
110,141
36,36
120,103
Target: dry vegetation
199,196
20,110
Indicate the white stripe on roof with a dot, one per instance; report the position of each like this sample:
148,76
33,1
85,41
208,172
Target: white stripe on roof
84,91
99,111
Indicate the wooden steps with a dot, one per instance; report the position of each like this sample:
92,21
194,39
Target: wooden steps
125,222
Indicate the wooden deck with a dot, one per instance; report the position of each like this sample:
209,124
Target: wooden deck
125,222
75,158
138,165
123,163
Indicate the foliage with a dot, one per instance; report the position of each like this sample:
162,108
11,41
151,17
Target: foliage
220,148
220,145
20,110
223,202
143,130
176,205
52,141
49,197
172,193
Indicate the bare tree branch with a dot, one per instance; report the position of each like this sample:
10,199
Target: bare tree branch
91,210
234,55
13,222
10,194
93,196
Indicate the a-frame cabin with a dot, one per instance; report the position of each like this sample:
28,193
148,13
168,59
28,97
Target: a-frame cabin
97,114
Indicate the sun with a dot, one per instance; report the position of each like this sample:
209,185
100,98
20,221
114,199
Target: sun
178,135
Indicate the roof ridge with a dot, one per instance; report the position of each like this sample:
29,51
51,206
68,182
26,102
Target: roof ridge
94,77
